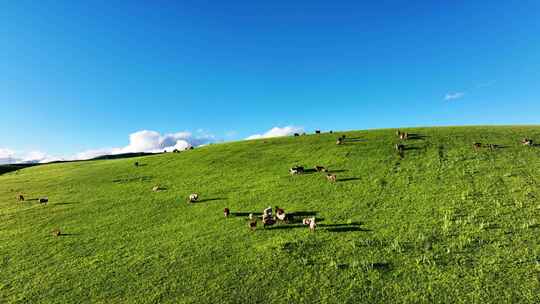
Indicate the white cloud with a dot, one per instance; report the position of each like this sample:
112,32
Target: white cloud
453,96
277,132
140,141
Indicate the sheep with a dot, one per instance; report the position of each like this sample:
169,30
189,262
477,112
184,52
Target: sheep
136,164
331,132
252,225
267,213
250,216
399,147
398,133
339,141
193,197
477,145
280,214
296,134
21,198
56,232
43,200
306,221
156,188
317,131
320,169
226,212
331,177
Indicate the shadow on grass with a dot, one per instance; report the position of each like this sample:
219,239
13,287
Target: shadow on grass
337,171
347,229
245,213
59,204
211,199
348,179
133,179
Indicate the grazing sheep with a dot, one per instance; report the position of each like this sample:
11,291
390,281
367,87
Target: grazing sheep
339,141
43,200
331,177
193,197
477,146
317,131
280,214
320,169
296,170
176,151
136,164
306,221
296,134
398,133
156,188
492,146
252,225
226,212
56,232
399,147
21,198
250,216
267,213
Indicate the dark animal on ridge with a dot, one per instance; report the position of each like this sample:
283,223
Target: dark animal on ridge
296,134
136,164
317,131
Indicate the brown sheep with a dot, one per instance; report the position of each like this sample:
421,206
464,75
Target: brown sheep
56,232
404,136
226,212
331,177
252,225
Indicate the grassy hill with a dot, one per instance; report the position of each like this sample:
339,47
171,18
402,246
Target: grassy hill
445,223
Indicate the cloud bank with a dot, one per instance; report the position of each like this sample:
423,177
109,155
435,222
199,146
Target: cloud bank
140,141
278,132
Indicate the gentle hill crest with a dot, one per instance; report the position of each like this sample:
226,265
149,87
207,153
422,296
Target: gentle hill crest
443,222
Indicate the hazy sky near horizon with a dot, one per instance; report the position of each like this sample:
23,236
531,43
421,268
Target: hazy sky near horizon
78,76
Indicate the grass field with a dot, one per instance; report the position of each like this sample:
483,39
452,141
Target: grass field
445,223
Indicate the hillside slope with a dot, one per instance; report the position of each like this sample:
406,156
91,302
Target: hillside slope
445,223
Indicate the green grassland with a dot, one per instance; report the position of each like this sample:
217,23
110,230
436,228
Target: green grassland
445,223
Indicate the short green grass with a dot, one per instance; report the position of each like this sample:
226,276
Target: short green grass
443,224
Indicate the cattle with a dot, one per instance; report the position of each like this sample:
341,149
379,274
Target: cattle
21,198
477,145
312,225
136,164
156,188
339,141
280,214
404,136
331,132
398,133
176,151
331,177
191,148
317,131
343,136
43,200
527,142
320,169
226,212
252,225
296,134
193,197
267,213
56,232
399,148
268,222
296,170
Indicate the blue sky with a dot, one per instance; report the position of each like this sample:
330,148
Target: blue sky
78,76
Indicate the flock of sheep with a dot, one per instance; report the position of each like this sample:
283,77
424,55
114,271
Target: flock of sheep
268,219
